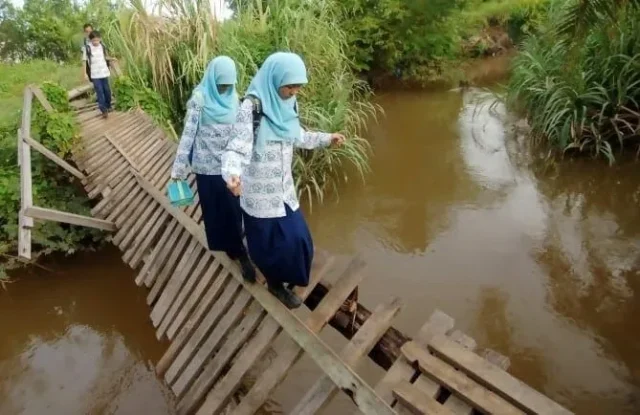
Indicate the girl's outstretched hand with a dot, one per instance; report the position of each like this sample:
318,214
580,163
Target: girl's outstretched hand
337,139
234,185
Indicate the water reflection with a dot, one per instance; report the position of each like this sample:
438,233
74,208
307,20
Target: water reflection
78,342
540,264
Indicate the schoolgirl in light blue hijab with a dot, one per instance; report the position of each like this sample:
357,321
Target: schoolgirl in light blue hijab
280,121
218,107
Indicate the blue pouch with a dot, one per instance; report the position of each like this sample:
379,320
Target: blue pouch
180,193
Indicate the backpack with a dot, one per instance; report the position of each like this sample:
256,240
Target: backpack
87,48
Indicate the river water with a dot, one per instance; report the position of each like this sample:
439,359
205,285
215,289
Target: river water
541,265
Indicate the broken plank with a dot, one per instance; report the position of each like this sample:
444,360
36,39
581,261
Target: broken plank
464,387
417,402
438,322
496,379
361,343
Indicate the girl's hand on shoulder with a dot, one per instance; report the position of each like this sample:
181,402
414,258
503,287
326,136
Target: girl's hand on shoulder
337,139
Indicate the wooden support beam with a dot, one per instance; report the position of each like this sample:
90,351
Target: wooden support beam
417,402
364,340
122,151
41,98
53,157
26,193
70,218
341,374
81,90
385,352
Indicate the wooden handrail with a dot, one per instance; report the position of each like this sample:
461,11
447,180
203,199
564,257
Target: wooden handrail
27,210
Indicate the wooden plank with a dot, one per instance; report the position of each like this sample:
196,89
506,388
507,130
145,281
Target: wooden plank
146,238
256,347
70,218
41,98
169,267
438,322
130,216
290,350
147,217
495,378
359,346
208,348
186,264
53,157
464,387
200,332
150,261
185,291
418,403
222,359
454,403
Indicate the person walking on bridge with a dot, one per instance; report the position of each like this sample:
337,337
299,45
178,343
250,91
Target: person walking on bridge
257,165
211,114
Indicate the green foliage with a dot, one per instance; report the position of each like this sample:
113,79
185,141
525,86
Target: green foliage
52,187
131,96
48,29
582,93
169,56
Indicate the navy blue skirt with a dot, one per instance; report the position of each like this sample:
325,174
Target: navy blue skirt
281,248
221,214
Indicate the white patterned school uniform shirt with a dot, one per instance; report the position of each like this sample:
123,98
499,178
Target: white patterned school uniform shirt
267,180
98,62
207,141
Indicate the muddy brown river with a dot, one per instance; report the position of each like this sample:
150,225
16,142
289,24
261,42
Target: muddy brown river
542,265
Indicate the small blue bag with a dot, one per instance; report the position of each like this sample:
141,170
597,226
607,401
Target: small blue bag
180,193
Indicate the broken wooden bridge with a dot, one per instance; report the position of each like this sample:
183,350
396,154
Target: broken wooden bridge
219,328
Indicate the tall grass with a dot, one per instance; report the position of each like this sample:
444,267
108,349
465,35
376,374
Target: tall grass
170,53
582,95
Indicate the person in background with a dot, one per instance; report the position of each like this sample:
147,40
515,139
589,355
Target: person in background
211,114
257,166
87,29
97,71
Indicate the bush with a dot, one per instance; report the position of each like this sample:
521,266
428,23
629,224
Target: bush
52,186
582,94
169,55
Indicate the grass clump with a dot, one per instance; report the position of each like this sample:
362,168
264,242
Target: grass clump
579,81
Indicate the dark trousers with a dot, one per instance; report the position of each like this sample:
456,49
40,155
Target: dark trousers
281,248
103,93
221,214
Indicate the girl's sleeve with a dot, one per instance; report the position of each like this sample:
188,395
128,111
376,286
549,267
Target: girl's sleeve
237,155
181,163
310,140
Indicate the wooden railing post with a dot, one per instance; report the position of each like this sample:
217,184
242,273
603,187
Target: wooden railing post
25,223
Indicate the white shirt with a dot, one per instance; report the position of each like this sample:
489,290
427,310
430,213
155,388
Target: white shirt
98,62
267,179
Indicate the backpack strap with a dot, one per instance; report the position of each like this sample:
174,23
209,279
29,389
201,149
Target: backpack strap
257,111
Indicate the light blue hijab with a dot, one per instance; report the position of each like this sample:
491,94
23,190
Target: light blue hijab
218,108
280,121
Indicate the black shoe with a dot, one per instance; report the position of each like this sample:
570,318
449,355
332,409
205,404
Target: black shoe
248,270
285,296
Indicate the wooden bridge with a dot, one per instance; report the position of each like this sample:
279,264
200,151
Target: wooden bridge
219,327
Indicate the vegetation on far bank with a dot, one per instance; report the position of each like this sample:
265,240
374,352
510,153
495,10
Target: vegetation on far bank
578,80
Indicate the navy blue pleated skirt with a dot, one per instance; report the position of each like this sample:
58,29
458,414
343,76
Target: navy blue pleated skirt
222,215
281,248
